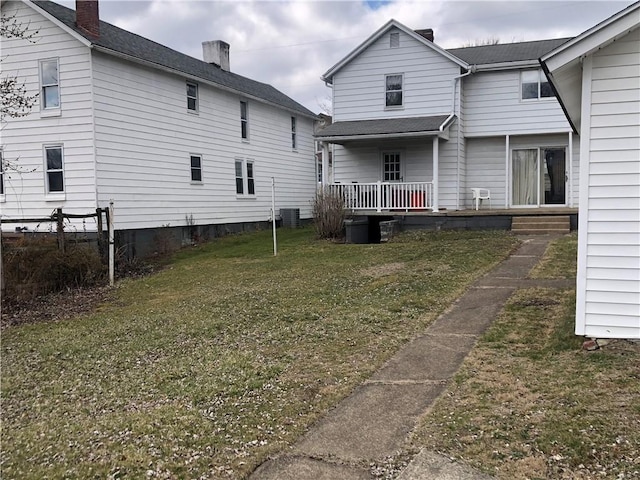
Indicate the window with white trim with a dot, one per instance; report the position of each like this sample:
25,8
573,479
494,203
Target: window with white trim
192,96
294,144
535,85
196,168
54,169
245,180
50,84
393,90
244,120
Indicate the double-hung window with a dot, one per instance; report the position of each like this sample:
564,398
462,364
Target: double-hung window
535,85
393,90
196,168
54,169
245,181
294,144
50,84
192,97
244,120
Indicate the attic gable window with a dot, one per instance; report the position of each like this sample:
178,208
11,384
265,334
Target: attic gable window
393,92
535,85
394,40
192,96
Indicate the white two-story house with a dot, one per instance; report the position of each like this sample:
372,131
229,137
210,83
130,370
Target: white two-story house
417,127
171,139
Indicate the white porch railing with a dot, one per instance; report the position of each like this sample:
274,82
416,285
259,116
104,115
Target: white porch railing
382,196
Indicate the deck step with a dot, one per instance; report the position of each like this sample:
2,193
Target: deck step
531,225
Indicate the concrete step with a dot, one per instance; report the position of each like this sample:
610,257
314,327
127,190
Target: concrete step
531,225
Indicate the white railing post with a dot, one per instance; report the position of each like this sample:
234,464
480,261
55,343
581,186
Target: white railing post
379,196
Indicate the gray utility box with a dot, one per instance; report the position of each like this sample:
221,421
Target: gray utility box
357,230
290,217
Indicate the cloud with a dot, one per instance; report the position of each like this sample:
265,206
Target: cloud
289,44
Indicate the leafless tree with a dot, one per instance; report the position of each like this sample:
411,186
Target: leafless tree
16,101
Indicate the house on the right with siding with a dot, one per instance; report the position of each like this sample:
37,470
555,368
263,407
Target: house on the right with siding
596,77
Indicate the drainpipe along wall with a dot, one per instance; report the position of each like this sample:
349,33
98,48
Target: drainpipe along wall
457,108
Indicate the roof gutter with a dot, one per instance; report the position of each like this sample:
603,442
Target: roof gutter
373,136
507,65
164,68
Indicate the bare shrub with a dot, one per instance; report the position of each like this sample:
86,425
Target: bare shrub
35,266
329,214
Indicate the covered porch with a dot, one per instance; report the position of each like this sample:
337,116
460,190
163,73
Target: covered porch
393,163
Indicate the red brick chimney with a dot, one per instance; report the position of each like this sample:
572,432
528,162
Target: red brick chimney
87,17
426,33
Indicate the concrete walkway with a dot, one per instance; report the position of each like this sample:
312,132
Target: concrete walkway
375,421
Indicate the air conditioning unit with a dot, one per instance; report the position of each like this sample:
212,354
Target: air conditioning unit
290,217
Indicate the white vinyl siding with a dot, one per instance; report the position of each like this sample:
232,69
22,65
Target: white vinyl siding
493,106
609,306
359,87
72,126
486,168
142,147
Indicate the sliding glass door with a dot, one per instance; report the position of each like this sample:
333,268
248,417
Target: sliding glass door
538,177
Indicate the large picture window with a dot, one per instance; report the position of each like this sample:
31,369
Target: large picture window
50,84
393,92
535,85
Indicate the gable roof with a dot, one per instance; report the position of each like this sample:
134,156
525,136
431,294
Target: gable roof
563,65
507,52
122,43
376,35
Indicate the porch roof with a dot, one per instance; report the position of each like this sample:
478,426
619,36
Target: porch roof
386,128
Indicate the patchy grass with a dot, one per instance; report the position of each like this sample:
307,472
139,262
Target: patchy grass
560,259
224,357
528,403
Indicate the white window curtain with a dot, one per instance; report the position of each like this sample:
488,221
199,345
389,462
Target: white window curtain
525,175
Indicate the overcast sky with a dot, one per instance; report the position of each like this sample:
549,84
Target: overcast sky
290,44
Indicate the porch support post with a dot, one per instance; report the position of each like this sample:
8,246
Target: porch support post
507,177
569,169
436,144
379,196
325,164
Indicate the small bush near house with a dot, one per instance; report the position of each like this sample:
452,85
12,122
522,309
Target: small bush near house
35,266
328,214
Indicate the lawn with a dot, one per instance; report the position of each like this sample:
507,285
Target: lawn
226,356
528,403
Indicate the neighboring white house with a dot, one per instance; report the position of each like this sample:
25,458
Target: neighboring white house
597,78
430,124
166,136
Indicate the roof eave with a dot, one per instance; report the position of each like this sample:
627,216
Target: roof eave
378,136
593,39
517,65
78,36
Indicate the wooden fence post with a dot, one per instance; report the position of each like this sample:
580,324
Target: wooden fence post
101,249
60,229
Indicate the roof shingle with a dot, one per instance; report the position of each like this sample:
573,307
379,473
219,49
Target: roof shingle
506,52
127,43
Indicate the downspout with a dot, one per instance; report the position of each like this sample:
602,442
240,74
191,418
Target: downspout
454,80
